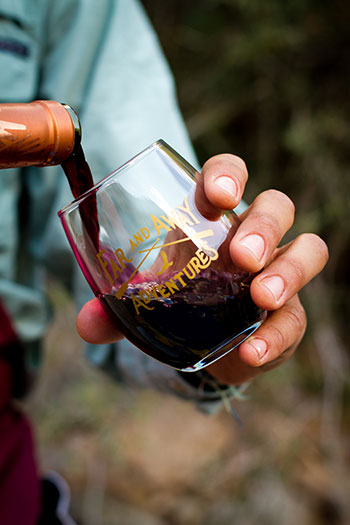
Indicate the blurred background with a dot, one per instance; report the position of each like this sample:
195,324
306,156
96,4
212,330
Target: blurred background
268,81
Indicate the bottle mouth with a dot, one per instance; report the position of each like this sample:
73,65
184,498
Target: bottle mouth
76,124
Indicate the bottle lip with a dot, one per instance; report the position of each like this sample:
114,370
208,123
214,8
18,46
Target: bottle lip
76,123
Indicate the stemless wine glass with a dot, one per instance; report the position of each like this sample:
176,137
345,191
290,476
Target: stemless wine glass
160,268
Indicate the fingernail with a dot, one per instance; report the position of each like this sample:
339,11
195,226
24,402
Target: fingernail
255,244
227,184
275,286
260,347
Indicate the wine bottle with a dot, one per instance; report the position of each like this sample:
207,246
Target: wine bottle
47,133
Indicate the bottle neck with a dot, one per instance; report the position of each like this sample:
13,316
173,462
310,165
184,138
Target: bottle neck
39,133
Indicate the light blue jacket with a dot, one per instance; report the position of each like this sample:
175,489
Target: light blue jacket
102,58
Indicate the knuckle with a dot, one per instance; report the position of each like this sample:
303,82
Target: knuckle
278,340
297,271
296,316
276,210
268,224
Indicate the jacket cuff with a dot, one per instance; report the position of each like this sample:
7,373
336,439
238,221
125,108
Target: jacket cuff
138,369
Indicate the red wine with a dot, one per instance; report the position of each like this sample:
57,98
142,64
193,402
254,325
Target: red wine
212,313
80,180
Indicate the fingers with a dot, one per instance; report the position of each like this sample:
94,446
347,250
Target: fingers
220,185
277,337
271,345
293,267
94,326
262,228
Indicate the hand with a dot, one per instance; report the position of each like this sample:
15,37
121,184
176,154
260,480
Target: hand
253,247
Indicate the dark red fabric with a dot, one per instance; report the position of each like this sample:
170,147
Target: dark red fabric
5,383
19,482
7,337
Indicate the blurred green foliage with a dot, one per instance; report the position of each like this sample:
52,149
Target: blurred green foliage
269,81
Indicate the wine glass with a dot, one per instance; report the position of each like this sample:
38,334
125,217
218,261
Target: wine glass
160,268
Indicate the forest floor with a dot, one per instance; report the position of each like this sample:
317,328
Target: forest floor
141,458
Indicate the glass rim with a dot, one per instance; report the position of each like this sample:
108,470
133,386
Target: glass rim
71,206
